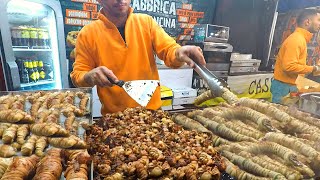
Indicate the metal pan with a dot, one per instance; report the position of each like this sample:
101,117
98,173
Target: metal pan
309,102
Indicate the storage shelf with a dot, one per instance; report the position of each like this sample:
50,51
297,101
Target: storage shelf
31,50
41,82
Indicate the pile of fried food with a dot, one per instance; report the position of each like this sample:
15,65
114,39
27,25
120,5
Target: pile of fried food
261,140
33,122
143,144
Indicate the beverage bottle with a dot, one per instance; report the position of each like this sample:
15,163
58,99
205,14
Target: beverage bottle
19,64
32,74
35,68
24,76
33,37
16,36
25,36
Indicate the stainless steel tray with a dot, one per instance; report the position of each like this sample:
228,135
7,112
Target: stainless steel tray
309,103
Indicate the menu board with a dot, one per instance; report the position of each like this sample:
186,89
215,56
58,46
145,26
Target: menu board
177,17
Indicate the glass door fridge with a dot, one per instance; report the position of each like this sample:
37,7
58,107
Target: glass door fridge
33,55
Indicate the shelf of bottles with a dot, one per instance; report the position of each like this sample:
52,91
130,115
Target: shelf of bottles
27,49
34,72
30,38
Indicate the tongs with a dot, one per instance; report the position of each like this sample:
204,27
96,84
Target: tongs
216,85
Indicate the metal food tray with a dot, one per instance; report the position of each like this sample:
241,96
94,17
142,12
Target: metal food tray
81,131
310,103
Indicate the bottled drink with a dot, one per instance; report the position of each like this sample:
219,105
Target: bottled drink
25,36
16,36
46,38
35,68
33,37
19,62
24,76
42,73
43,38
32,74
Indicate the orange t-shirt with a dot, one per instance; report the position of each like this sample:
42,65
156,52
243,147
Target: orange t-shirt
101,44
292,57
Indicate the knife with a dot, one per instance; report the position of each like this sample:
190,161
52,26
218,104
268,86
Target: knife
139,90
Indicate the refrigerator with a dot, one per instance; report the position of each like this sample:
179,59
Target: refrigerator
32,53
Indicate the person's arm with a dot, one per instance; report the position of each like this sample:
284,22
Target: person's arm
84,61
85,71
290,59
164,46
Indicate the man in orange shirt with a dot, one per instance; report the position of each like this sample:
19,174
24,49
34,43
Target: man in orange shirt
121,45
291,59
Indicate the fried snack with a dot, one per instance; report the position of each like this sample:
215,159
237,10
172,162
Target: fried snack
3,127
79,156
49,130
81,174
83,102
71,142
69,98
15,116
72,38
21,168
19,102
42,115
203,98
22,133
28,148
68,123
77,161
50,167
41,144
35,97
9,135
7,151
53,117
189,123
4,164
16,145
6,102
37,103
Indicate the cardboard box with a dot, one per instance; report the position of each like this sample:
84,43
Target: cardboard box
166,102
166,96
182,101
174,78
305,85
184,92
